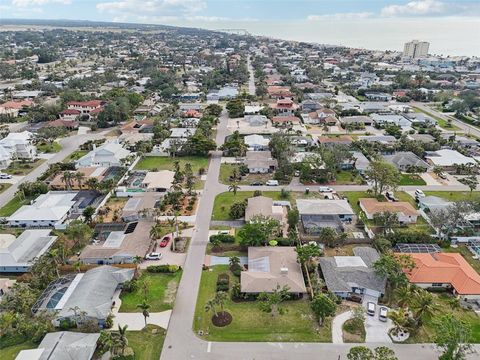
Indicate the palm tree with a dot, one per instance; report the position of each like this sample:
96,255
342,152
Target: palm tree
423,305
234,260
77,265
211,305
79,178
53,255
144,306
404,295
122,337
92,183
234,187
220,298
155,232
67,179
399,319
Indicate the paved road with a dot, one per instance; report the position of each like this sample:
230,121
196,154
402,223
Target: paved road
467,128
251,79
69,145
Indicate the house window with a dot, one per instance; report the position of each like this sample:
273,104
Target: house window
437,284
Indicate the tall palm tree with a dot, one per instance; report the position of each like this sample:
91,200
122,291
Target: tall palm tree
423,305
67,179
79,177
211,306
404,295
144,306
54,256
155,232
234,187
399,318
92,183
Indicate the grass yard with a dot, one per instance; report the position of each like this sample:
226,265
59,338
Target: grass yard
348,177
4,186
166,163
49,148
427,332
146,344
455,195
11,352
353,331
23,168
226,171
251,324
461,249
75,155
411,179
161,293
13,205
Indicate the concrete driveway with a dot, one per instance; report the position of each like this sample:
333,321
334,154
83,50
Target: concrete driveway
376,330
337,324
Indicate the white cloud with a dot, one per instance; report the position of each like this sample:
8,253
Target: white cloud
416,8
153,7
29,3
340,16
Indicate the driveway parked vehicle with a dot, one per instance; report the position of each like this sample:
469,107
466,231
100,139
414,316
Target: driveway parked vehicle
5,176
166,239
153,256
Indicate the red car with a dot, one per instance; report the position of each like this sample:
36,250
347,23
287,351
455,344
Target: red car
165,241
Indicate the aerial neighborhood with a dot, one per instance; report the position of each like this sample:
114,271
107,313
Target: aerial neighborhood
257,190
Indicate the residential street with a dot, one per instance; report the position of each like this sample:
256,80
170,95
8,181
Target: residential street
251,80
182,343
69,145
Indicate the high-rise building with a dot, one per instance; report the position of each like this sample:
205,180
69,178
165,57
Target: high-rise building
416,49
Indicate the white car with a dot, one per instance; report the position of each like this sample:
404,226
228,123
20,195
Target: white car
272,183
383,314
5,176
325,189
153,256
419,194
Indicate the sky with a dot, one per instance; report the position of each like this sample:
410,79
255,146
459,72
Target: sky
451,26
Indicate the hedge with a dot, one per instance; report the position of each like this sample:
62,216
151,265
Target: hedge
163,268
223,238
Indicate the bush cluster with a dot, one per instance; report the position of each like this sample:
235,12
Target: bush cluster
223,238
223,282
163,268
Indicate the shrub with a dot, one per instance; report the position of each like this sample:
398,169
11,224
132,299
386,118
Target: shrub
66,324
257,193
223,282
237,210
283,242
236,269
223,238
163,268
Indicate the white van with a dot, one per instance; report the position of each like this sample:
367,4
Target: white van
272,183
325,189
371,308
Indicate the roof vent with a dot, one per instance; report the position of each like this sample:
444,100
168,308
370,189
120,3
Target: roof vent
284,270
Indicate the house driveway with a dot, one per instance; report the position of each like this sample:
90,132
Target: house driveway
337,323
223,260
376,330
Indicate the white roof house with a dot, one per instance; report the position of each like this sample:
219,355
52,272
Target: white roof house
256,141
448,157
48,209
324,207
63,345
17,254
158,180
19,144
109,154
5,157
181,132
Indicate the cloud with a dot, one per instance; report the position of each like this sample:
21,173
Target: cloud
29,3
416,8
340,16
152,7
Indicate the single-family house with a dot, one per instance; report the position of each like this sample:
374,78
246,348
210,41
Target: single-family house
158,181
260,162
448,159
407,161
358,121
353,275
18,254
19,145
429,203
445,270
406,213
256,142
109,154
316,214
88,109
271,267
265,206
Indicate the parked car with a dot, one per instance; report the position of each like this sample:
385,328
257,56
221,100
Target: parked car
371,308
390,196
153,256
296,173
419,194
272,183
383,314
354,298
443,176
166,239
325,189
5,176
256,183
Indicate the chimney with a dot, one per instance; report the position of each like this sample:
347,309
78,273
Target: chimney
284,270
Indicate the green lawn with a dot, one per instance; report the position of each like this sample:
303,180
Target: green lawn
53,147
145,344
455,195
427,332
166,163
4,187
251,324
224,201
13,205
348,177
11,352
161,293
75,155
411,179
226,171
23,168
